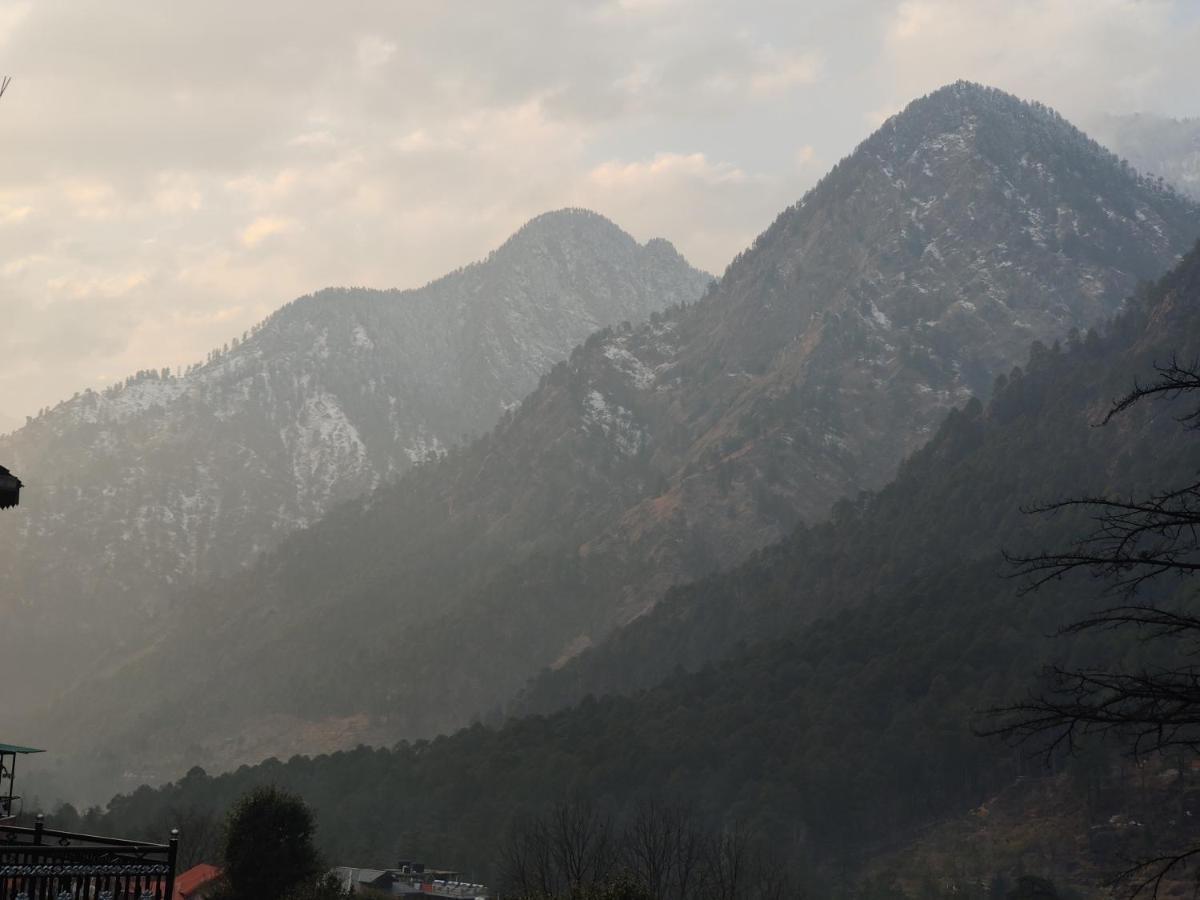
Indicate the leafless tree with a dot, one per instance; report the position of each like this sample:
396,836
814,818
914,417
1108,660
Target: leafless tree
662,847
661,852
581,841
1134,543
772,879
727,864
571,847
527,865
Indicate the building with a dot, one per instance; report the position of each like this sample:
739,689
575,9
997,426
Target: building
41,862
10,802
408,879
197,882
10,488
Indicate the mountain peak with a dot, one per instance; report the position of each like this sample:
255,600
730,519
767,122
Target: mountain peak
569,224
577,232
974,97
999,128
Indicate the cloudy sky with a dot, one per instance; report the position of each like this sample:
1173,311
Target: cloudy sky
175,171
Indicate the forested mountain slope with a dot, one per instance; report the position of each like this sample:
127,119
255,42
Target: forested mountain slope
789,584
834,735
918,269
172,478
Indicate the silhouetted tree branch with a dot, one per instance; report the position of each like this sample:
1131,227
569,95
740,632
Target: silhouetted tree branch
1147,877
1173,379
1133,541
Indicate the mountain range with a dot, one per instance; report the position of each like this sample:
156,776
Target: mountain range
824,692
167,479
916,272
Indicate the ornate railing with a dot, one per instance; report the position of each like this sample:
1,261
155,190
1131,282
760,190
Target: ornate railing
39,863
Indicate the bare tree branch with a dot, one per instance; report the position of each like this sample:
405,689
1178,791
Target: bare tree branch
1173,379
1132,542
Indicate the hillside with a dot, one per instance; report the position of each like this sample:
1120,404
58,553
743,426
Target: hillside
915,272
847,738
167,479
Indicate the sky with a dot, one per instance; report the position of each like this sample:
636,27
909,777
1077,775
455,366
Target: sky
173,172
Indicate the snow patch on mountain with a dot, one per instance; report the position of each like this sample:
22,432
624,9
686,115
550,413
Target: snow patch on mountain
615,422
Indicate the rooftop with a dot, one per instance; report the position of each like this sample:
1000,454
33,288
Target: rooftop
13,748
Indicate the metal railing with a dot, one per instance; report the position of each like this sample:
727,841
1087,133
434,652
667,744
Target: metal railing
40,863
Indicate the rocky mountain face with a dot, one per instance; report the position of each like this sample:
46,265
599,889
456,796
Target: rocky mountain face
148,486
919,269
1156,145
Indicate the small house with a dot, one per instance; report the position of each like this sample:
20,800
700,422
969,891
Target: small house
197,882
10,488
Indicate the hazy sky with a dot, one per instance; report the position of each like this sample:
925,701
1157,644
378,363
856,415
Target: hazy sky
175,171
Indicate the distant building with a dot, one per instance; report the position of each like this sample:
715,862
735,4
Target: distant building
197,882
10,488
408,879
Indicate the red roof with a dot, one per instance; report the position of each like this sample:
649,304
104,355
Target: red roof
187,883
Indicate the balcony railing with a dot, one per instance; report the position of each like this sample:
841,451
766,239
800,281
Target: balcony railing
40,863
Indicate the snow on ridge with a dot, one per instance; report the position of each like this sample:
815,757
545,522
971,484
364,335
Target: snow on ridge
639,374
615,421
421,445
129,401
326,449
657,341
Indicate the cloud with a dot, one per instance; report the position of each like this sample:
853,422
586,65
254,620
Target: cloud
170,179
704,206
13,214
1080,55
780,72
375,51
11,17
663,168
264,227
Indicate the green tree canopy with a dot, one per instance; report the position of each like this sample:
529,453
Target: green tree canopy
269,848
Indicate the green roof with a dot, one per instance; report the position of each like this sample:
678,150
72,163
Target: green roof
13,748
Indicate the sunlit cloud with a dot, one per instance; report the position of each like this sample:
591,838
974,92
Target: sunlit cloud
665,166
12,214
11,17
264,227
